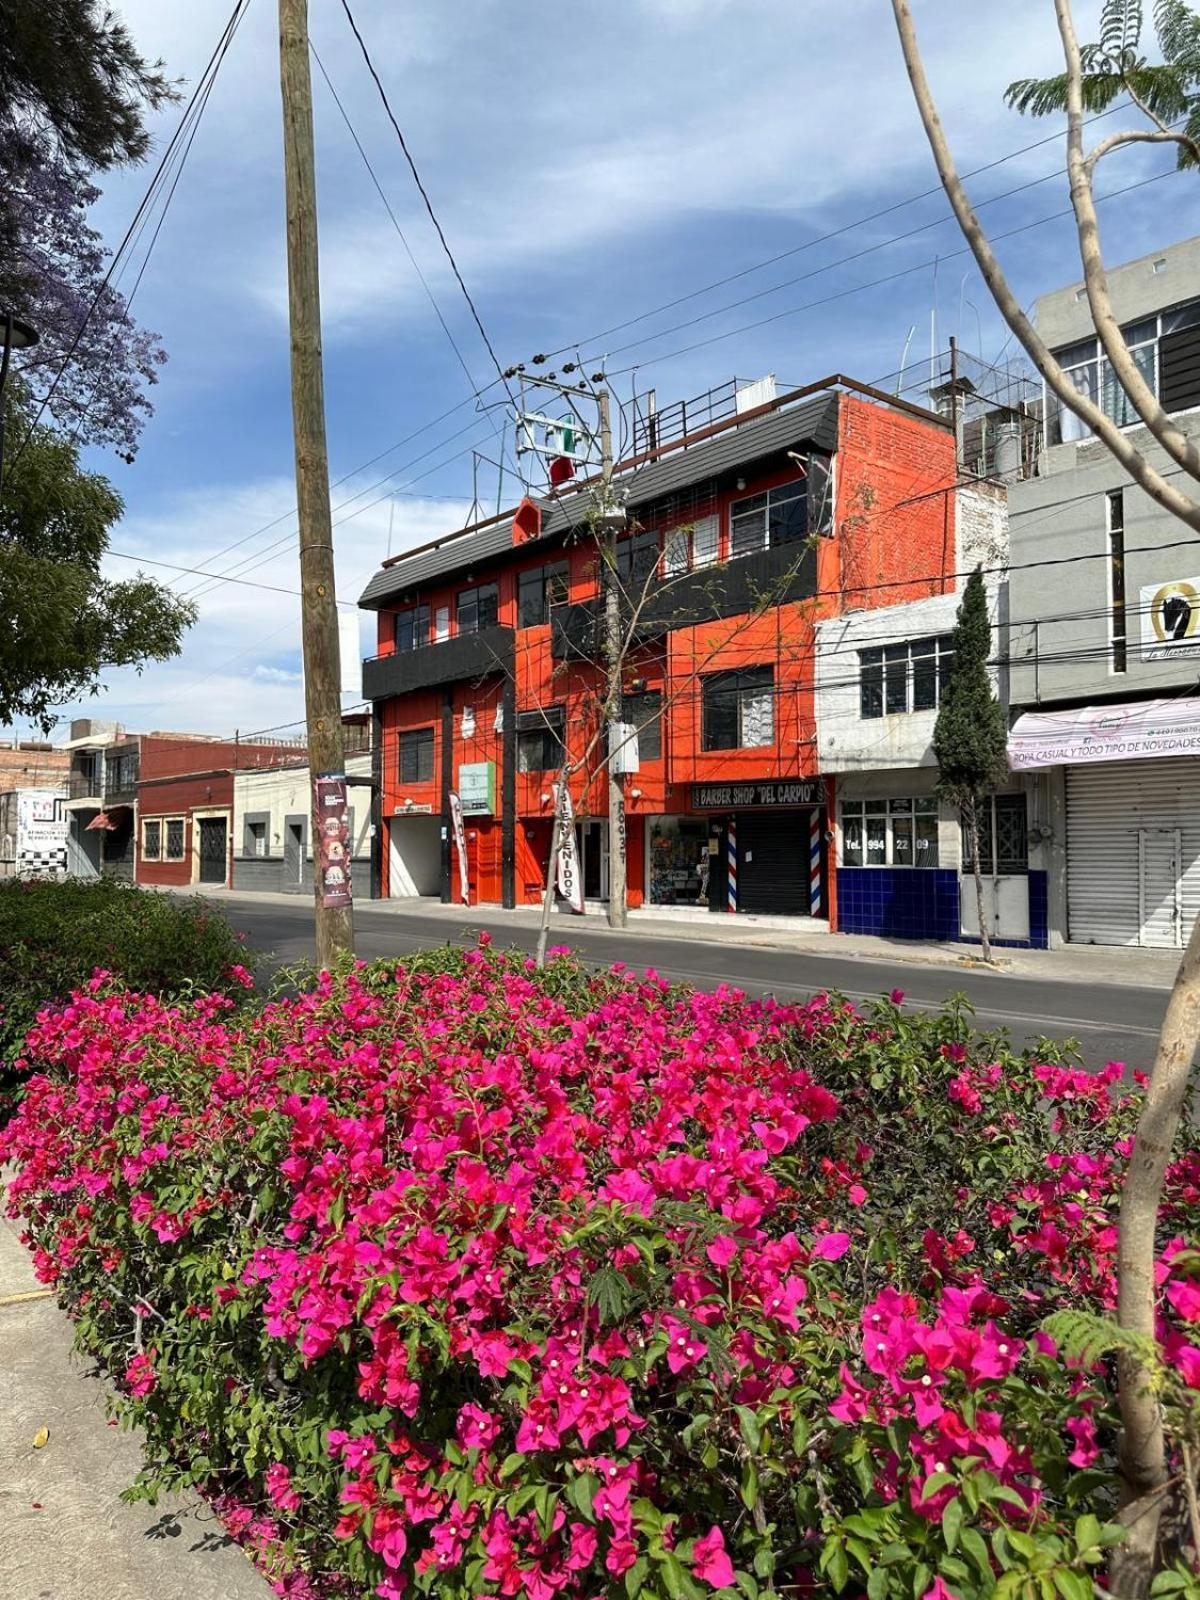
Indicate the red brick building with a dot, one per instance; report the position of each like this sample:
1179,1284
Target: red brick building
185,805
741,538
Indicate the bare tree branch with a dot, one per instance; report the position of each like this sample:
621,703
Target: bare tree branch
1143,399
1139,469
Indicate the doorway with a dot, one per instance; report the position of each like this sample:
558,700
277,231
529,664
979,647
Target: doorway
293,854
593,859
214,849
1159,883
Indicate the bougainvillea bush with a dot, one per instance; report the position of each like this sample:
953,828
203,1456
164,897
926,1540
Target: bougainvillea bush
467,1279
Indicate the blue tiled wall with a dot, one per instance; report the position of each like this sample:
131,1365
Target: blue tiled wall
908,903
898,902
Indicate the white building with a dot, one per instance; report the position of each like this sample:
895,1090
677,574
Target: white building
33,833
272,811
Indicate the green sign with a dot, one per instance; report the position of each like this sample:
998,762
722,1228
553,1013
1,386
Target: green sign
477,788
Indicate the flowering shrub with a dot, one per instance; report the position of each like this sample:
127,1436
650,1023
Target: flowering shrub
53,936
462,1278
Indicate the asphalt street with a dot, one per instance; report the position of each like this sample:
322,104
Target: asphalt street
1110,1023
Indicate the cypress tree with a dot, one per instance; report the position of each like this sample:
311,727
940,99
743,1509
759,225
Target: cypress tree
970,738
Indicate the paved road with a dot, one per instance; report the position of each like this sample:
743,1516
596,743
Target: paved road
1110,1023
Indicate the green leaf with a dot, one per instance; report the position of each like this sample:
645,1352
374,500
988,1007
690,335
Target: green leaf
1072,1585
750,1430
952,1520
939,1480
581,1492
750,1486
833,1562
511,1464
877,1583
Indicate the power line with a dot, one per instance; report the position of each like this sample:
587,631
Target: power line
194,108
823,238
860,288
424,193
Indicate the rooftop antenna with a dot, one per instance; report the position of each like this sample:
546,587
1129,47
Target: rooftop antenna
391,524
903,359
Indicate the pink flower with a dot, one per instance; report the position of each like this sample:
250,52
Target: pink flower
710,1561
831,1247
278,1483
477,1429
140,1377
1184,1295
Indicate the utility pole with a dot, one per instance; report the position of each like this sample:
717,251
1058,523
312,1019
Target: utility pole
318,606
611,517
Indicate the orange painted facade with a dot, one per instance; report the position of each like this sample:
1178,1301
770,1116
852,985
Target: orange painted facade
890,538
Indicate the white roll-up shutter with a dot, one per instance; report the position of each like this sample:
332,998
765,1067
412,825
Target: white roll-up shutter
1108,806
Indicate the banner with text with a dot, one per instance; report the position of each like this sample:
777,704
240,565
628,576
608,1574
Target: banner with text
570,884
331,849
460,844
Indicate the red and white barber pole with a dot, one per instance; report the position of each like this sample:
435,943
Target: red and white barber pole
460,844
731,856
814,863
570,884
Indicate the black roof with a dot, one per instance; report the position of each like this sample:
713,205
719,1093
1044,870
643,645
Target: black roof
814,421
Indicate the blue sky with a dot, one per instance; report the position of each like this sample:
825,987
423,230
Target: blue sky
588,164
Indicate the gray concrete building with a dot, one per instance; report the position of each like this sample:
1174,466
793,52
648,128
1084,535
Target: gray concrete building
1104,628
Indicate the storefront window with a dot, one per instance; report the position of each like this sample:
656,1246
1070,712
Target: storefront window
679,861
890,833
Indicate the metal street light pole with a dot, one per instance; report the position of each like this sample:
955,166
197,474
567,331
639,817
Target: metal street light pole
17,335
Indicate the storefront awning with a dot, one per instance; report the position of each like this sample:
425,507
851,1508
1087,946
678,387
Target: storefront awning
1131,732
109,820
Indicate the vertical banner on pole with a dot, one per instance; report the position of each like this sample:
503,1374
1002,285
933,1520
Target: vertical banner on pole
731,853
460,844
814,863
570,885
331,847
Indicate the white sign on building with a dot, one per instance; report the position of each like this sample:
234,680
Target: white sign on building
1170,615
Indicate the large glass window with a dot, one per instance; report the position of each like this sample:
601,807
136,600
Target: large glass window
738,709
691,546
768,520
680,862
539,590
637,560
416,755
1003,837
890,833
540,740
643,712
1091,373
904,677
412,628
478,608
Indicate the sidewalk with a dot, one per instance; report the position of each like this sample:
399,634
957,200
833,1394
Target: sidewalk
64,1532
1094,964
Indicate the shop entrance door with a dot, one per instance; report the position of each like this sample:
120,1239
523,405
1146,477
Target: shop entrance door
593,858
1161,910
214,850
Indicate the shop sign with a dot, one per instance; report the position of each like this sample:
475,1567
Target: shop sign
410,808
332,850
477,788
1136,731
749,796
1171,620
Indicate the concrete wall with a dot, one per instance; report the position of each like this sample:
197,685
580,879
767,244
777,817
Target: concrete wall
1057,653
1064,316
278,794
846,740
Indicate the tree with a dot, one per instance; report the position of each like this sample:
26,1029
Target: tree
74,94
971,736
1166,95
63,622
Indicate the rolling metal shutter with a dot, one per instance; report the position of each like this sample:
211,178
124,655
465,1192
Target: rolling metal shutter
773,863
1108,807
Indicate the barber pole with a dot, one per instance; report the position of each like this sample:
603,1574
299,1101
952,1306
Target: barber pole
731,856
814,863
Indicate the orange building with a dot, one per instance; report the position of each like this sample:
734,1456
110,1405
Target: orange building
738,541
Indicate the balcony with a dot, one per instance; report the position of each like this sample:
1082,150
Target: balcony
85,786
468,655
767,578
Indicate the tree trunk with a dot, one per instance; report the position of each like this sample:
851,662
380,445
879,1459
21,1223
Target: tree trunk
971,811
556,838
1144,1466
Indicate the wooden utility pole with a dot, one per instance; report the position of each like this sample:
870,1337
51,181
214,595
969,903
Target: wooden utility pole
610,519
318,607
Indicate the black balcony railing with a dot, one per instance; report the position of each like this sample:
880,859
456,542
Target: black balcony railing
767,578
84,786
468,655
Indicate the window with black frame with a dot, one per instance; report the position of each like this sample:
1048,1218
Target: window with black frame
738,709
637,560
174,850
540,746
152,840
478,608
909,676
643,712
539,591
412,628
416,755
769,520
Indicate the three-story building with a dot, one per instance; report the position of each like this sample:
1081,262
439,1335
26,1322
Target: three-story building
740,540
